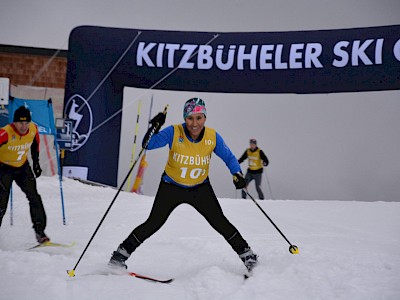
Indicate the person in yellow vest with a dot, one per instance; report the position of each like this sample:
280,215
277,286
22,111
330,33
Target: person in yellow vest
15,141
257,161
185,180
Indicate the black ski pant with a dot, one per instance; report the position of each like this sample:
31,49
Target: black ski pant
24,178
257,178
202,198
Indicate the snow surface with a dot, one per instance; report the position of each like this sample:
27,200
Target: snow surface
348,250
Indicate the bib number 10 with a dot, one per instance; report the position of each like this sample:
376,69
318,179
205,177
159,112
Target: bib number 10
193,174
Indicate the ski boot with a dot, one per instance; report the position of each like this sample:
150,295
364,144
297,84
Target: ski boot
119,257
249,259
41,237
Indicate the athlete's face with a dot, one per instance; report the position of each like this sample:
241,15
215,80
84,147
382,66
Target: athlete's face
195,124
253,146
22,127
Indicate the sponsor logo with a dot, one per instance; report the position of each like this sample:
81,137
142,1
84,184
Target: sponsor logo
42,130
229,57
80,114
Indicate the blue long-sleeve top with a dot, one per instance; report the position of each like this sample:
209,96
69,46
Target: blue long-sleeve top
166,136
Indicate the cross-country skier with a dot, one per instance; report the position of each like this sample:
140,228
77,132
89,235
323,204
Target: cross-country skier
185,180
15,141
257,161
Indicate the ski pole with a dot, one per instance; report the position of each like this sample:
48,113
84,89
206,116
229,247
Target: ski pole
269,186
293,248
71,273
11,207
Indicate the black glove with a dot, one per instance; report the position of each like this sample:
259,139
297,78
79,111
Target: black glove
158,119
37,169
239,181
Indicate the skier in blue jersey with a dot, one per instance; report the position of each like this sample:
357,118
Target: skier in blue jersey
185,180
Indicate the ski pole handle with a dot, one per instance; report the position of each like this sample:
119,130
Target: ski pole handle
153,129
165,109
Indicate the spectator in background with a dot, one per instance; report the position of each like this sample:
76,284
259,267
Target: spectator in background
257,161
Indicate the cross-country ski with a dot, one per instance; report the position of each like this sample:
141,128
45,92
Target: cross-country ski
52,244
